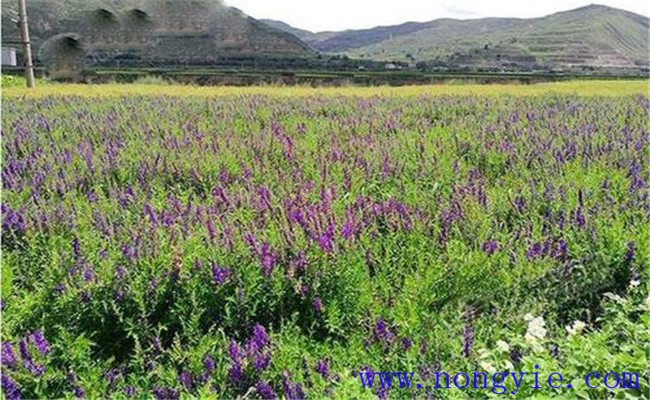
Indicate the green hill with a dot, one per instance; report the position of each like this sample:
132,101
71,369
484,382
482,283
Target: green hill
596,36
68,35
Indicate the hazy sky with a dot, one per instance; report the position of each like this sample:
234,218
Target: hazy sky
321,15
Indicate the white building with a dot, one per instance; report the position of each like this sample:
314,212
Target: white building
9,56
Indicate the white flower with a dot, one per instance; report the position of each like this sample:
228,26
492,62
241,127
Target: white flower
614,297
503,346
508,365
530,339
488,367
528,317
536,328
635,283
577,328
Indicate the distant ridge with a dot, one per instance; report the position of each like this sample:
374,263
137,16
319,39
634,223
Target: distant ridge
594,36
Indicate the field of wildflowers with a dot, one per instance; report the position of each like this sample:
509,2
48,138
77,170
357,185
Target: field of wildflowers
252,245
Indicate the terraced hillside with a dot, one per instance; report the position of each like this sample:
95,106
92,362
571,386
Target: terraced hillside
595,35
68,34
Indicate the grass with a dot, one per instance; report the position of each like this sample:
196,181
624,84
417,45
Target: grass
579,88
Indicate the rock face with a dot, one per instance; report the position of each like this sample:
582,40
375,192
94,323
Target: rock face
69,35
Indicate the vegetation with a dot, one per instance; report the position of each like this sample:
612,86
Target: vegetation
71,35
595,36
261,242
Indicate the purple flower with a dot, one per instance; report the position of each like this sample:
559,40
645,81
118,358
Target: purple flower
318,305
208,364
79,392
407,343
291,391
468,340
111,376
560,250
129,391
165,393
34,369
382,394
85,296
234,351
157,346
120,272
8,356
151,214
265,391
236,373
265,197
382,332
185,378
40,343
220,274
629,254
325,241
10,389
59,289
534,251
76,247
260,338
300,261
268,259
91,196
323,368
88,275
261,360
580,218
520,204
256,347
490,247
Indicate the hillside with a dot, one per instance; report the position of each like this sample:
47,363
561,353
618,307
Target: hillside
67,33
595,36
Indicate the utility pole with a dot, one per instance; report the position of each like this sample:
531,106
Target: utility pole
27,46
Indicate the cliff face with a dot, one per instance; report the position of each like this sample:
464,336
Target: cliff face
71,34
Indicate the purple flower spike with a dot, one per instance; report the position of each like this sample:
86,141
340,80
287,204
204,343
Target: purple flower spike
265,391
318,305
208,364
10,389
8,356
260,338
40,343
185,378
629,254
580,218
34,369
323,368
220,274
490,247
382,332
268,259
129,391
79,392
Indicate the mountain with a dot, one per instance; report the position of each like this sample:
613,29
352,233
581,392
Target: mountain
69,35
594,36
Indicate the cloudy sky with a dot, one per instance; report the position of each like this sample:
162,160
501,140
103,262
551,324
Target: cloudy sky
322,15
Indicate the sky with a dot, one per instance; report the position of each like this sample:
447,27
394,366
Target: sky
323,15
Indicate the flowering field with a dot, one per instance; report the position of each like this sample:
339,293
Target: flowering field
262,246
